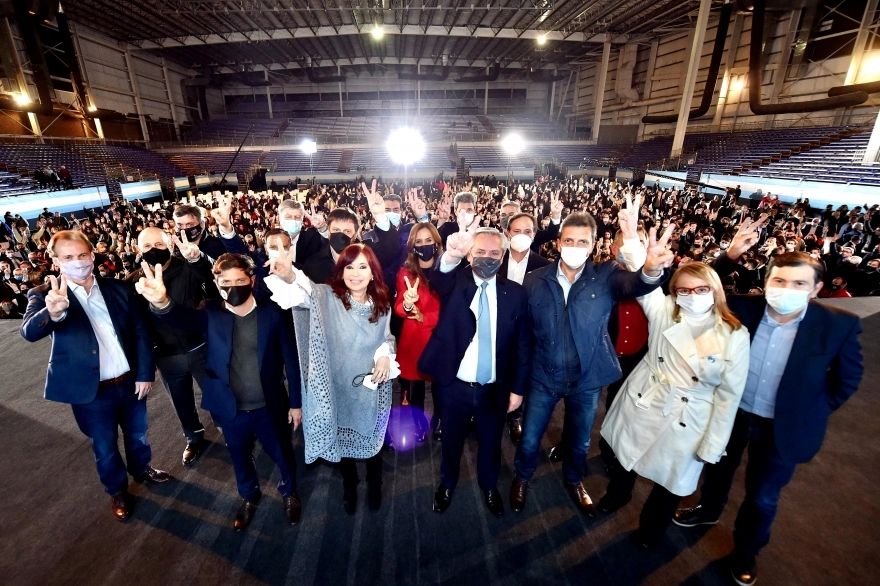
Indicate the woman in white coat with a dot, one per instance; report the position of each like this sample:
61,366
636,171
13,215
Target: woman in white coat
675,412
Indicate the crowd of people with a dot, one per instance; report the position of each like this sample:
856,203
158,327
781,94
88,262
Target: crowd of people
300,308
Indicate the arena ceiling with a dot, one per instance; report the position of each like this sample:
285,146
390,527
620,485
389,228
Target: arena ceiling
237,36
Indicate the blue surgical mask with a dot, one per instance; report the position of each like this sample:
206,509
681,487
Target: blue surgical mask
292,227
394,218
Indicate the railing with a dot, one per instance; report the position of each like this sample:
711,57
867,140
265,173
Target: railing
816,122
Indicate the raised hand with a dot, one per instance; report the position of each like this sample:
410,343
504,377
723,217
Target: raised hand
411,296
416,205
56,300
747,235
659,256
222,213
555,206
151,285
377,204
444,210
316,218
282,266
628,217
458,245
187,249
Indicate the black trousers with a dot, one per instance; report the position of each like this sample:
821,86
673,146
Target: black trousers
416,390
658,510
484,403
178,373
348,468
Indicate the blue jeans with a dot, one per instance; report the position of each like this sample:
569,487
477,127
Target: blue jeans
240,434
767,473
580,412
114,407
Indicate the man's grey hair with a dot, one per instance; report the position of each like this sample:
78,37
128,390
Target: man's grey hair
290,204
463,197
505,243
392,197
511,203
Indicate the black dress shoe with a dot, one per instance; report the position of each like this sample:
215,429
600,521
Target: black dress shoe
292,509
743,568
581,498
518,494
350,500
121,505
442,499
438,432
556,452
153,476
193,450
610,503
494,502
515,426
246,512
694,516
374,496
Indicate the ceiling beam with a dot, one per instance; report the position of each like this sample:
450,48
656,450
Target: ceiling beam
329,31
480,63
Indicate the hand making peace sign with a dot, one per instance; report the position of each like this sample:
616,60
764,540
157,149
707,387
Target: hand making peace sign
459,244
659,256
187,249
628,217
56,300
555,206
222,214
377,204
411,296
282,266
416,205
747,235
151,285
316,218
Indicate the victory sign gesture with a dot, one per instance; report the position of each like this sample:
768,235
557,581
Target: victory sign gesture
628,217
415,204
316,218
747,235
411,296
282,266
222,214
458,245
151,286
377,204
56,300
187,249
659,255
555,206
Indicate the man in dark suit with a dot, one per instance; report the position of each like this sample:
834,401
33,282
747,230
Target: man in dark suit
304,242
805,363
188,219
478,355
101,363
250,344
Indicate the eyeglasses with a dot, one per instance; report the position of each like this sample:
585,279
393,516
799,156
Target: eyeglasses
685,291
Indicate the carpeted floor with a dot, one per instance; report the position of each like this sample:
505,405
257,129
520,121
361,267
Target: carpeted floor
56,527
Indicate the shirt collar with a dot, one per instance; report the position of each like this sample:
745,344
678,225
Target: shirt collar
74,287
795,321
480,281
561,275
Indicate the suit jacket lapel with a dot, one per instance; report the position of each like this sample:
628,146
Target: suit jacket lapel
263,326
808,336
114,308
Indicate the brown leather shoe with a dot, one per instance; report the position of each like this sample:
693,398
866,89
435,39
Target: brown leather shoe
246,513
518,494
153,476
193,450
292,509
515,426
121,505
581,498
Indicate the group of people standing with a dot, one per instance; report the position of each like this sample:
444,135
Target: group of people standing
308,325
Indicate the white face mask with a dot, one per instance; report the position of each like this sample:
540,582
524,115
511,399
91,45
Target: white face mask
574,256
785,300
468,218
273,253
520,242
694,305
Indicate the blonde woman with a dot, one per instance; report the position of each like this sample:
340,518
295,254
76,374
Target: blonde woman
675,412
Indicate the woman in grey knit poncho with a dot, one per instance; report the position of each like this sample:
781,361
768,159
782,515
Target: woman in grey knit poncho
347,362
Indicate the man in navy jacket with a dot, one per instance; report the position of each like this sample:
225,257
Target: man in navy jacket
101,363
805,363
250,344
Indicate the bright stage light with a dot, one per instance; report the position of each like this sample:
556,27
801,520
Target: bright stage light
377,32
22,99
92,109
309,147
739,84
513,144
405,145
542,39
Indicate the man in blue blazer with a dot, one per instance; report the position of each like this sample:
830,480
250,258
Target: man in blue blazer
101,363
478,355
250,344
805,363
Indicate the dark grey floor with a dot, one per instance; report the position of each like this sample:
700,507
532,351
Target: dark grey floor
55,525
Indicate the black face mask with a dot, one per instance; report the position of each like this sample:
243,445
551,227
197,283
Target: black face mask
235,295
156,256
339,241
485,267
426,251
192,234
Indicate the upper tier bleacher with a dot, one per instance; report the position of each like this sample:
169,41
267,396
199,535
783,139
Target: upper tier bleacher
23,159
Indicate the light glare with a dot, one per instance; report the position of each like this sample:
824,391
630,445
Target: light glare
309,147
542,39
513,144
377,32
405,145
22,99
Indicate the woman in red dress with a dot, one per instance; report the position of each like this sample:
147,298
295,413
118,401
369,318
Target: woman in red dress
419,306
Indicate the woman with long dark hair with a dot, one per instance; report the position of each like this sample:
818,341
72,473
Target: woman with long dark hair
347,362
419,306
